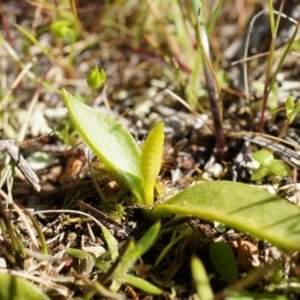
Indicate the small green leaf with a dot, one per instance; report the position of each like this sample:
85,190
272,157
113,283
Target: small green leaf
239,206
151,159
289,107
16,288
294,113
224,261
80,254
264,157
112,143
201,280
280,168
259,173
111,243
142,284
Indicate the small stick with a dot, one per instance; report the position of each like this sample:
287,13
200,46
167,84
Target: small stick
13,151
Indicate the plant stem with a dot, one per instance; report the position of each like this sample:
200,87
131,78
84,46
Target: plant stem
267,87
210,78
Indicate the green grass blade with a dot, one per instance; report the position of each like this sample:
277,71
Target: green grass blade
142,284
201,280
34,41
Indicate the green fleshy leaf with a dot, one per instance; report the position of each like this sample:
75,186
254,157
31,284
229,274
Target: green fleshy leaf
264,157
239,206
151,159
112,143
260,173
224,261
16,288
280,168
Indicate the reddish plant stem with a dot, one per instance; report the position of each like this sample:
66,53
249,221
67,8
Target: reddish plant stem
214,107
202,40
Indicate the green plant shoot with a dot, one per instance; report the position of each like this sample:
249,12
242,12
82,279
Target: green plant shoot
95,78
291,110
63,29
237,205
264,157
151,159
269,166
